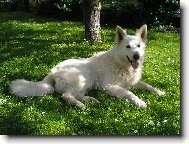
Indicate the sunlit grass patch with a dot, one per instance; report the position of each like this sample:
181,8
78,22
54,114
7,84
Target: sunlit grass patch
30,47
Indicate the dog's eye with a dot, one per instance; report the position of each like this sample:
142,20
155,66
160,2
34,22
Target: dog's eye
138,45
128,46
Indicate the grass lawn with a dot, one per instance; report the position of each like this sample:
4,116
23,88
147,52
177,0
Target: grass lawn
30,47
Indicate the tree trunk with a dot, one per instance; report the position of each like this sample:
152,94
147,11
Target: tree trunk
92,20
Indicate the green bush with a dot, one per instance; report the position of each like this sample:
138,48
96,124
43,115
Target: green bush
159,13
133,13
66,9
8,5
130,13
121,12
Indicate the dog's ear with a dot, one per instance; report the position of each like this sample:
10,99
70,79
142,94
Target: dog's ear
142,33
120,34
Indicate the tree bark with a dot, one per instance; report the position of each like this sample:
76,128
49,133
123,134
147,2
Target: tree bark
92,20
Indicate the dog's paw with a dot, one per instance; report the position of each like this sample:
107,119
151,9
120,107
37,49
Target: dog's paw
141,104
92,99
160,93
138,102
81,106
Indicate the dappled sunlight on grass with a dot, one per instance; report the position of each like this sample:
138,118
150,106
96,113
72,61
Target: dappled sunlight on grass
31,46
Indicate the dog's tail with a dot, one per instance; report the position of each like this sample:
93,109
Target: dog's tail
25,88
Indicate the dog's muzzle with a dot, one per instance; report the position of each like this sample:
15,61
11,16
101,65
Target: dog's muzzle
134,62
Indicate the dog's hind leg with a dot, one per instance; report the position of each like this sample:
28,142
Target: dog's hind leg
143,85
69,96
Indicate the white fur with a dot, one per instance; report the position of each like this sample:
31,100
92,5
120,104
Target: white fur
110,71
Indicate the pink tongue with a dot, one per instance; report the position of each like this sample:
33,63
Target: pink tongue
135,64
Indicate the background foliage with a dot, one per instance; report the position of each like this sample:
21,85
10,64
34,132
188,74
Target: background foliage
131,13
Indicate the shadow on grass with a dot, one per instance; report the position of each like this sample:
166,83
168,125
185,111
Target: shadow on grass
12,123
24,40
26,17
23,48
14,46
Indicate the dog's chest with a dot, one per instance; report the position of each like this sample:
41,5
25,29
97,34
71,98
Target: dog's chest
126,78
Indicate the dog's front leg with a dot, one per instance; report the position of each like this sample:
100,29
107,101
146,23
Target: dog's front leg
118,91
143,85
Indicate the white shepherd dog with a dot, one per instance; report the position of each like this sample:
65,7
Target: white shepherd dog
113,71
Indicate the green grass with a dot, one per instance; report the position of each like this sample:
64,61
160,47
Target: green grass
30,47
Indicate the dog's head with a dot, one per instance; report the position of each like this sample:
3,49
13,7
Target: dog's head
131,47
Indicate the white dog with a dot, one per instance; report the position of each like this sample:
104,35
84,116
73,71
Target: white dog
113,71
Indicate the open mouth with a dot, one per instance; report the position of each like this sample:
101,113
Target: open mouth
134,63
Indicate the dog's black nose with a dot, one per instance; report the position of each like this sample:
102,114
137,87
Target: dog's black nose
136,55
